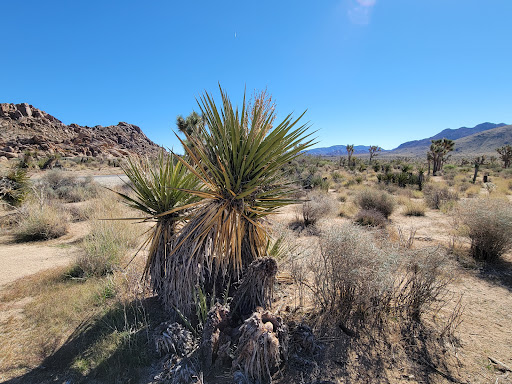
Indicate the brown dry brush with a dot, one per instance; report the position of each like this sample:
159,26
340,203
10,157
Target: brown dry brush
359,280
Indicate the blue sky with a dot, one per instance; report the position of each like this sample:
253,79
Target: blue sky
371,72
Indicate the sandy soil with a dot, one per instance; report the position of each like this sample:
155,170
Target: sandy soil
19,260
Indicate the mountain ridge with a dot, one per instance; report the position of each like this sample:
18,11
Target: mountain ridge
421,146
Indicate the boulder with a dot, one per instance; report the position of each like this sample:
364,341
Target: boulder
25,110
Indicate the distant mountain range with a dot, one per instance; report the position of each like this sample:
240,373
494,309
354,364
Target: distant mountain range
481,139
337,150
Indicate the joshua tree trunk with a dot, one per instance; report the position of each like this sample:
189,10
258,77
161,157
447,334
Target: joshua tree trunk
477,166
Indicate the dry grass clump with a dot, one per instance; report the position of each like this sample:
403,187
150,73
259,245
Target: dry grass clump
472,190
488,223
437,195
358,278
59,185
108,241
414,208
41,222
318,205
369,199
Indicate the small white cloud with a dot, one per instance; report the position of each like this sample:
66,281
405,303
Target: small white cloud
359,11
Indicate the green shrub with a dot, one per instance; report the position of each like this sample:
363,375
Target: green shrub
381,201
41,222
336,177
14,186
488,223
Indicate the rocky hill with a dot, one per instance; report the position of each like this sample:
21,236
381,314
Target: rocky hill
23,127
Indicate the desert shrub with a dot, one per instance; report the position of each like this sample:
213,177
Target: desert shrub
450,168
381,201
56,184
358,278
336,177
370,218
317,206
14,186
349,278
436,196
321,183
464,186
414,208
421,281
488,223
41,222
473,190
402,179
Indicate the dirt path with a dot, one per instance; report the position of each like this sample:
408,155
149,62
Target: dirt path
19,260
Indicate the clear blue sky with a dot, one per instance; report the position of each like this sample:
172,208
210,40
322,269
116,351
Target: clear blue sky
371,72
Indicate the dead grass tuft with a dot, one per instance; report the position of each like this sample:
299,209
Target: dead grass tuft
41,222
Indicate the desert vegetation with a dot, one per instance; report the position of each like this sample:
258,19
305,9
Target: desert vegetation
244,260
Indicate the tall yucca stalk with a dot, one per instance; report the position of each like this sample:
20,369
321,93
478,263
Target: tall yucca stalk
159,186
239,159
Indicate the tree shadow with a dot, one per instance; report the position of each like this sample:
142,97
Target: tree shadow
498,273
113,348
409,350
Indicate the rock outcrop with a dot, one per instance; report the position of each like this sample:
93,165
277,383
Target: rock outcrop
23,127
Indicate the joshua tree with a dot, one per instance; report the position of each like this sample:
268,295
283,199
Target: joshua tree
191,125
478,162
438,153
373,151
238,159
350,152
505,153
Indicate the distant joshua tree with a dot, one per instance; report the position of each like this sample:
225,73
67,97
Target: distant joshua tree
373,151
438,153
350,152
190,125
505,153
478,161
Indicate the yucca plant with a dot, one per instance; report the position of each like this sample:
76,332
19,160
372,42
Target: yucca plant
159,186
238,157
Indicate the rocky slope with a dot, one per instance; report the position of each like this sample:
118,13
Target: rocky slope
484,143
23,127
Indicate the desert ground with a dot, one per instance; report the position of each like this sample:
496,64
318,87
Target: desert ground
478,349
